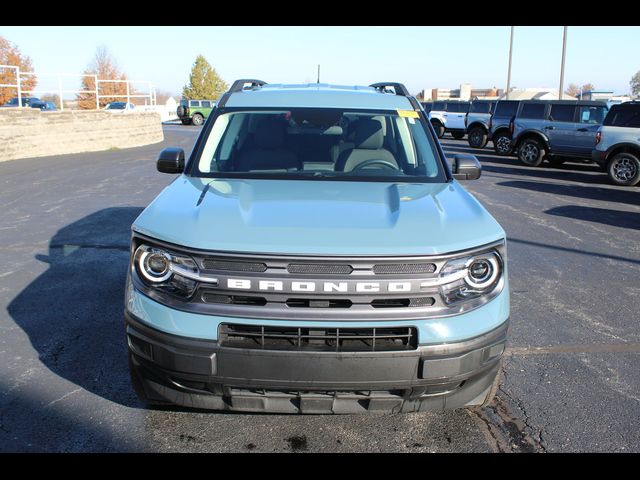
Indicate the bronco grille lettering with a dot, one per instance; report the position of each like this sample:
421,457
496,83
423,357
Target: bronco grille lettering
309,286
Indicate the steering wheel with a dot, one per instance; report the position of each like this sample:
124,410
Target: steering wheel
375,161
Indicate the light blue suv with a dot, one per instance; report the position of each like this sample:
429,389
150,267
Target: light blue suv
316,254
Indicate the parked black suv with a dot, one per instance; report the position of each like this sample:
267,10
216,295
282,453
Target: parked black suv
556,130
499,123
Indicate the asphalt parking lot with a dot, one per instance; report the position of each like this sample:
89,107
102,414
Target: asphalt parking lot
570,380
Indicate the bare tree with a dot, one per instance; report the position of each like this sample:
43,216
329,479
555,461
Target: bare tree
574,90
106,68
163,95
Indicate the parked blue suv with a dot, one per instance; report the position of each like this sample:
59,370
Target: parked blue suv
556,130
316,254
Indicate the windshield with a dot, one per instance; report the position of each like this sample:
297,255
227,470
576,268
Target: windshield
116,106
319,143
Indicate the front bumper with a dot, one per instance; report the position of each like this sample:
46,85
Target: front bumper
203,374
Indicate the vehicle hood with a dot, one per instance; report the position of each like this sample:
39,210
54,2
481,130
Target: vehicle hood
320,217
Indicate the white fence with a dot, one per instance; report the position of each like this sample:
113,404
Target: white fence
60,91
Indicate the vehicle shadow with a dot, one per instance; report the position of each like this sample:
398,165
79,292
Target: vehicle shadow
616,218
566,173
73,312
570,171
629,196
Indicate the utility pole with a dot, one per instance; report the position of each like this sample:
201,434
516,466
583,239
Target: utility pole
509,74
564,50
318,74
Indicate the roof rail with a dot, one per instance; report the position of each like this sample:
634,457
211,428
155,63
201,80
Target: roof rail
398,87
238,85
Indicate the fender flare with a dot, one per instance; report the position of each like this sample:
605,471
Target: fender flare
529,134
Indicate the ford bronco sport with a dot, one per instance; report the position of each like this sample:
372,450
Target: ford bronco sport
316,254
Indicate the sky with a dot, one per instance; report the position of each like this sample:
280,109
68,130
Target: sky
419,57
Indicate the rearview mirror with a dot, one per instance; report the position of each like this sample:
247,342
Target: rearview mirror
465,167
171,160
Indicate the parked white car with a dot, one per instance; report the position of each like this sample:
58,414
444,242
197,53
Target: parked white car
119,107
448,116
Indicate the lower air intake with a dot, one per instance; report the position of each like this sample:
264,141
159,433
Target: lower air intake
354,339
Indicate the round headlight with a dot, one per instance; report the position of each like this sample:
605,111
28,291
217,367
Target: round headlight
482,272
154,265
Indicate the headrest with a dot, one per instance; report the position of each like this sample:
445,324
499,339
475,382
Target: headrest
269,133
368,134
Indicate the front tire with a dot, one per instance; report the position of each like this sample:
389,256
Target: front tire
197,119
502,144
477,137
531,152
624,169
457,135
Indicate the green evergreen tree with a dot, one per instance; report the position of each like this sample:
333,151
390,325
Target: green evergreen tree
204,82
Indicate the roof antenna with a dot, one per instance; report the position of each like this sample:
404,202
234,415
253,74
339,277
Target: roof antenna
318,74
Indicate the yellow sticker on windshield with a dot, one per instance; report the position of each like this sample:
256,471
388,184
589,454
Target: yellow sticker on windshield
408,113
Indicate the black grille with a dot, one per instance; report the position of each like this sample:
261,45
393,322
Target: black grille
215,264
319,268
403,302
233,299
350,339
397,268
318,303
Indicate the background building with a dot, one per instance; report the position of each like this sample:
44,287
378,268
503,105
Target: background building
465,92
535,94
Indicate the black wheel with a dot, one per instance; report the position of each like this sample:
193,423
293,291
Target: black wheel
624,169
457,135
477,137
186,121
502,143
531,152
138,387
197,119
439,128
556,161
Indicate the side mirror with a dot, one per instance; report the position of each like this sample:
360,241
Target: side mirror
171,160
465,167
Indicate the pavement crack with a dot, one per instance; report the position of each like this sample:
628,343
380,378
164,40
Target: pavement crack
63,397
504,430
